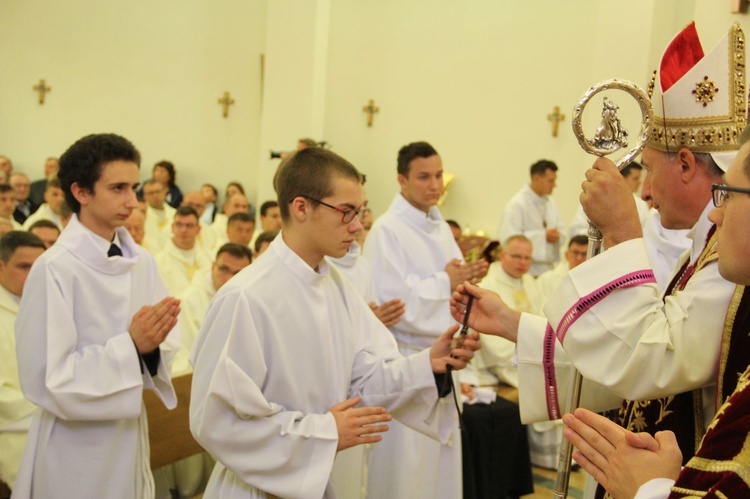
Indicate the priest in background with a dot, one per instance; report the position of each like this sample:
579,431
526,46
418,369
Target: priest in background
18,252
159,215
415,258
533,213
182,256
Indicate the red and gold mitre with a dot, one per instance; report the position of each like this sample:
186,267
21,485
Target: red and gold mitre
699,100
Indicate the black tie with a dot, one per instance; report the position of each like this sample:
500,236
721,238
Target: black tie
114,250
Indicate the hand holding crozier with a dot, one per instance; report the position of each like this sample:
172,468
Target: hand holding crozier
608,202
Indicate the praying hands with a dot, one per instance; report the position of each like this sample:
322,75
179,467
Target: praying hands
619,459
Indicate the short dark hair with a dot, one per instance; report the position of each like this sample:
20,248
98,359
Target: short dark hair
308,142
266,206
5,188
169,166
265,237
186,211
240,217
541,166
213,189
237,185
630,168
309,173
44,224
83,161
580,240
236,250
453,224
153,181
15,239
53,182
412,151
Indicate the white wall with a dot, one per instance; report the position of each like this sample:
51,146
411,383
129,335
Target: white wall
476,78
149,70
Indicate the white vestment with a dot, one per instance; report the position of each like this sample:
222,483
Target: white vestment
43,213
15,410
358,270
408,250
494,360
208,214
664,247
193,306
156,222
628,344
206,238
219,227
177,266
78,362
548,282
531,215
281,344
349,473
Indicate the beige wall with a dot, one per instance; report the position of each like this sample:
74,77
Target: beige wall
476,78
149,70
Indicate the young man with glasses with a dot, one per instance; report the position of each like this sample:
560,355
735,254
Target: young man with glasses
291,365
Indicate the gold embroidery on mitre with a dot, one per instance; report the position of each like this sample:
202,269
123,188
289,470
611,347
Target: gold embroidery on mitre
704,91
651,85
710,133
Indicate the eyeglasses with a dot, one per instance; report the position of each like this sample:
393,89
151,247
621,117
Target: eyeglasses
347,215
720,193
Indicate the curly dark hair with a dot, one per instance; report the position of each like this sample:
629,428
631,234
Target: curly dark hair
82,163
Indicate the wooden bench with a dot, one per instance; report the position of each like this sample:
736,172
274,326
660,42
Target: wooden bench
169,431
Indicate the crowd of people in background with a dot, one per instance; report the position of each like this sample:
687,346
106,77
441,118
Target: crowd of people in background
199,243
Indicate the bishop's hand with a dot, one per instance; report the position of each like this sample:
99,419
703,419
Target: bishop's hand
150,326
489,313
608,203
359,425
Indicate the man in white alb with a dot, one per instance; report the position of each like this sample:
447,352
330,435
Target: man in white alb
533,213
93,332
289,350
182,256
415,259
18,251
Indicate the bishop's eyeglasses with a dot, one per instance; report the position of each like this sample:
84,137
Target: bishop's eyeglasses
347,214
720,193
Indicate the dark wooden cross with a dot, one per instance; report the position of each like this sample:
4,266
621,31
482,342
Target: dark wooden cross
226,101
370,109
555,118
42,89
